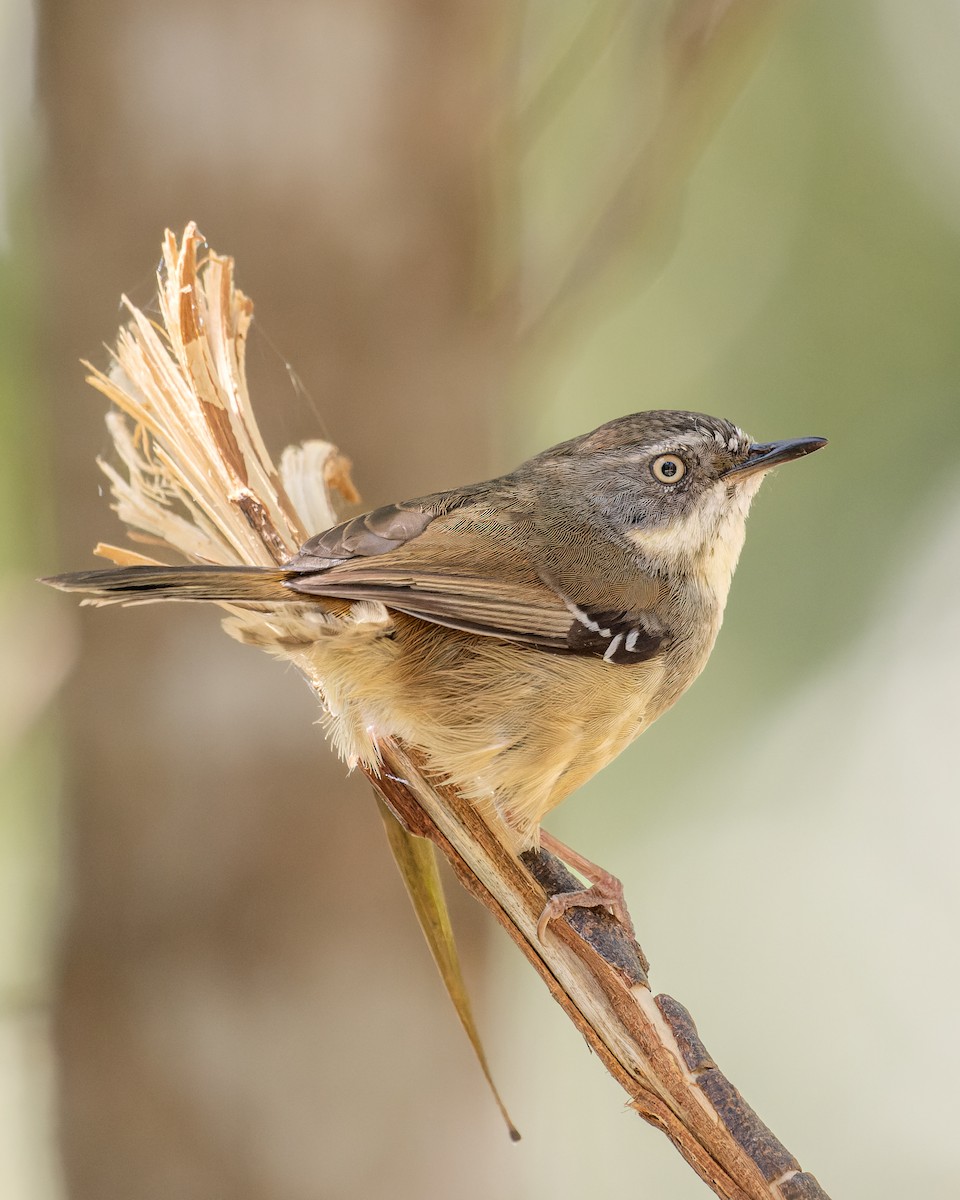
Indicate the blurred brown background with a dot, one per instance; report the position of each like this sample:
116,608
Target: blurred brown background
471,230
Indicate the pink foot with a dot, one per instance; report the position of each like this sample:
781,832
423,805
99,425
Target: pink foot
606,890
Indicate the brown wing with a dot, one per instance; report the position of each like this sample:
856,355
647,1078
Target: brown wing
462,561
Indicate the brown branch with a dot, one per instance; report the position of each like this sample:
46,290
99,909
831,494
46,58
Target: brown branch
597,975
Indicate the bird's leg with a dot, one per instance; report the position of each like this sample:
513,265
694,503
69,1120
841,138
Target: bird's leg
605,889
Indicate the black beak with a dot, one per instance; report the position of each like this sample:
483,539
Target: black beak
771,454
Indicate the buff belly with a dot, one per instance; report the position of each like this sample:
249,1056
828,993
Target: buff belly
514,729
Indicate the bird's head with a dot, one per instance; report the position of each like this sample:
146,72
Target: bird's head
677,485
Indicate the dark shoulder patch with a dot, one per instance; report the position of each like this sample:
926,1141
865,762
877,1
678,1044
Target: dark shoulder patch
373,533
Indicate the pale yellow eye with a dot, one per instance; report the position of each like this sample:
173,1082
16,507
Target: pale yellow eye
668,468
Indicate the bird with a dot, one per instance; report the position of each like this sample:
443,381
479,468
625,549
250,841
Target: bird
522,631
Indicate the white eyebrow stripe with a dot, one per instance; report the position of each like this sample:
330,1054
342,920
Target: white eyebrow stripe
613,647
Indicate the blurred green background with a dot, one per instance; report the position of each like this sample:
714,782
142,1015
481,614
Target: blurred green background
472,231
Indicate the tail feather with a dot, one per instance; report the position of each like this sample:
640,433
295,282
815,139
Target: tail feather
127,584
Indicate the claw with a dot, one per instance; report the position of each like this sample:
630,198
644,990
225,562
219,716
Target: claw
606,892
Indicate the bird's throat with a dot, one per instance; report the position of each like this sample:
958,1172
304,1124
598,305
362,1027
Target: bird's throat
704,545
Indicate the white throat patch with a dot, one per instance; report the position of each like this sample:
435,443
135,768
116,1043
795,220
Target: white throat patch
707,540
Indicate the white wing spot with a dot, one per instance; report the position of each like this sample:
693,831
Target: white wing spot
613,647
584,618
631,643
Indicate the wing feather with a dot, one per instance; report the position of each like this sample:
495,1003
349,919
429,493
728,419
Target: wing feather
526,613
471,562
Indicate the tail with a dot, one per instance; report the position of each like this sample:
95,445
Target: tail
130,584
